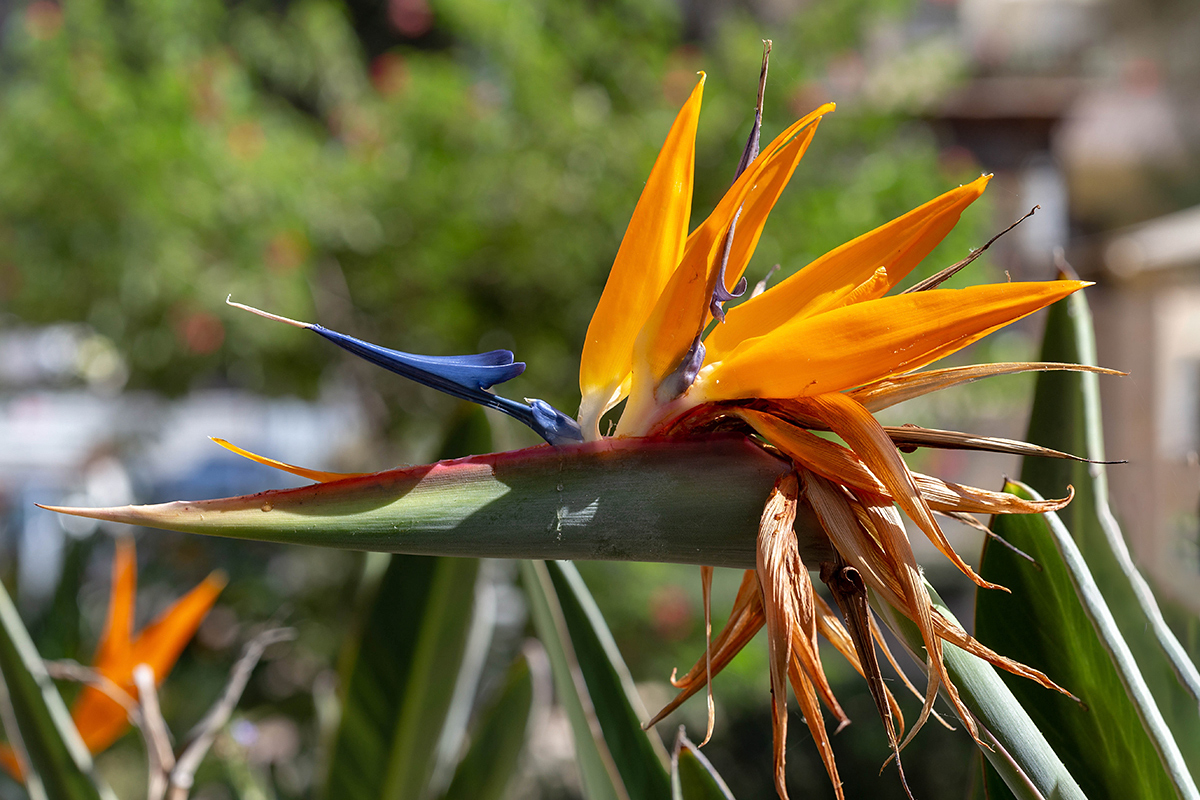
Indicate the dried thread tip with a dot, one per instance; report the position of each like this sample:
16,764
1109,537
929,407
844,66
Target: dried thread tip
268,315
934,281
720,294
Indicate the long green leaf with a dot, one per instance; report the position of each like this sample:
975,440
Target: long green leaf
1056,620
1018,750
56,752
401,680
1066,416
496,740
687,502
692,775
597,772
413,659
639,755
988,785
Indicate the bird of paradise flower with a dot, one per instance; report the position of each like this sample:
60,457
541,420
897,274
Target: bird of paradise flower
98,716
821,351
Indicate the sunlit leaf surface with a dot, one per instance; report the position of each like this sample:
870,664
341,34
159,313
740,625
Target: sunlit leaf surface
1043,624
1066,416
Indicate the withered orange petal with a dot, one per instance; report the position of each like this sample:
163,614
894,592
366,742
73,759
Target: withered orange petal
806,656
826,458
806,697
774,531
890,391
881,516
746,615
706,576
954,497
648,255
884,559
805,650
960,638
745,620
841,465
867,438
865,342
897,246
855,542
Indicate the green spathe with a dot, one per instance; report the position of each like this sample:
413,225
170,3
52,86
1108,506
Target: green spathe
683,501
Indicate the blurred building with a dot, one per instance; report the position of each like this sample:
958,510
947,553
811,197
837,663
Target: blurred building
1089,109
72,437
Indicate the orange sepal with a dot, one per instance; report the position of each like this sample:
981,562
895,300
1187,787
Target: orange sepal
648,255
682,309
897,246
320,476
857,344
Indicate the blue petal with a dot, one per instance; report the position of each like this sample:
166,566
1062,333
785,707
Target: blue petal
468,378
465,377
553,425
461,376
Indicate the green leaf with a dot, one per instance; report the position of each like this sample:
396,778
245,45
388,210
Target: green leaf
57,631
597,773
1018,750
1066,416
638,754
688,502
415,628
693,776
400,680
1075,640
988,785
497,739
56,753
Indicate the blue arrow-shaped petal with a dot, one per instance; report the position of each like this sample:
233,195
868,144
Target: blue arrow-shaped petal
466,377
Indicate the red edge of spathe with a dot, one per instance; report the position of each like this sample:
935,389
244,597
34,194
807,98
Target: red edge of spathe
492,462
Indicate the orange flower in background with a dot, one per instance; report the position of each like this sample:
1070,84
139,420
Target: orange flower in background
100,719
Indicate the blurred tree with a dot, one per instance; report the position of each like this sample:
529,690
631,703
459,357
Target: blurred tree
466,187
442,176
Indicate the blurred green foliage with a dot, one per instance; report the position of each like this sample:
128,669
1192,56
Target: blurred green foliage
466,193
455,188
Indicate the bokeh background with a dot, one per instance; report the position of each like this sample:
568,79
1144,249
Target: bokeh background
449,176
